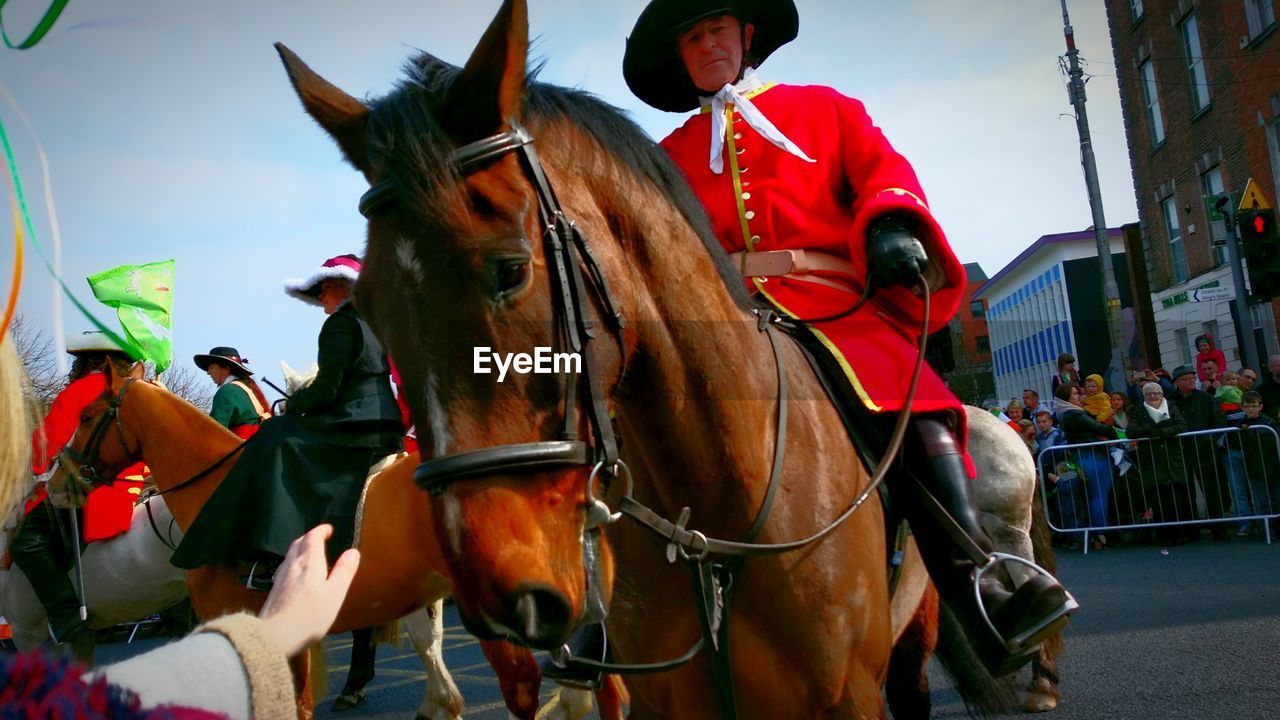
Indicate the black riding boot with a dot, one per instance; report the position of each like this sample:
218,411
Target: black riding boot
38,549
1015,621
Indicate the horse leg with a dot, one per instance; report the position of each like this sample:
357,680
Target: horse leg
518,676
300,665
570,704
611,696
426,632
1042,693
907,686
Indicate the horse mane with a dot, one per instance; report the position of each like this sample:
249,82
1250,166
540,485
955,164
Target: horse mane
413,148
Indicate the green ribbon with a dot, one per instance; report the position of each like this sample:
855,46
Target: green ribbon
46,22
31,233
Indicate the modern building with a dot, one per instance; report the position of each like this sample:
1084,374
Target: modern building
1049,301
1200,92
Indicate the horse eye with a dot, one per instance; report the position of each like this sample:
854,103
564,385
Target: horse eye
509,275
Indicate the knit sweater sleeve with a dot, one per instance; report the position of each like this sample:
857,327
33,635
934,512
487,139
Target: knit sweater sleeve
241,673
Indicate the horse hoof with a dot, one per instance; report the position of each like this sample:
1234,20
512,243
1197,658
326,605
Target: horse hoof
1040,702
346,701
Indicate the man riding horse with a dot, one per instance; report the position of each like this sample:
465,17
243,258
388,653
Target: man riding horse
816,209
238,404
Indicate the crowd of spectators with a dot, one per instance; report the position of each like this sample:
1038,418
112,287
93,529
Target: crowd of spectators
1169,447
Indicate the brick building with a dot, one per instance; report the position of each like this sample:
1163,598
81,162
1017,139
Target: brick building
1200,93
969,372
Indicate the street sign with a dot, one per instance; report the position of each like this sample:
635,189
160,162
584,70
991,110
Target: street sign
1252,198
1211,293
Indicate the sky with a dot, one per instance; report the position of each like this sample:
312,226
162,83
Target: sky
172,132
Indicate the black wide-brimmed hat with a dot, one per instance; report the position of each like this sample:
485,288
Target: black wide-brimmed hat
652,65
228,356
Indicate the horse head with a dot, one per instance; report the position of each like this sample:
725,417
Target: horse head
103,443
459,272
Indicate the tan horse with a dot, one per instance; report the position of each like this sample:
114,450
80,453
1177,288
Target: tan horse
456,262
401,566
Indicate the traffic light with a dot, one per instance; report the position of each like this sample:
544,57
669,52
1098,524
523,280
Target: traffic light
1261,248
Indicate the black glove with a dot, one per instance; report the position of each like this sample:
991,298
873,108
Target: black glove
894,255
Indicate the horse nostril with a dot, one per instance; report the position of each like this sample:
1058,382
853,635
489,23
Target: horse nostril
542,616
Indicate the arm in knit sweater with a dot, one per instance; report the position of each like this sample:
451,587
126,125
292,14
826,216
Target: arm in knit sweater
228,666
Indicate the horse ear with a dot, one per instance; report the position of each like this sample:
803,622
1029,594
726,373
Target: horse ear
490,89
138,371
342,116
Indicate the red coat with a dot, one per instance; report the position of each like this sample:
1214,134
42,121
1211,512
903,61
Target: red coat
771,200
108,509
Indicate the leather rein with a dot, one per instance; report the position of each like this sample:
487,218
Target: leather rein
566,249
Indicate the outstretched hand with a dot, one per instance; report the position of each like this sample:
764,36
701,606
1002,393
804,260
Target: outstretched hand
306,596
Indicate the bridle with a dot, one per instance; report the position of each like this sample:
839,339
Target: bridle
82,462
566,248
566,252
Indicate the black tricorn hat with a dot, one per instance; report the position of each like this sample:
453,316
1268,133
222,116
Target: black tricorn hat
651,65
228,356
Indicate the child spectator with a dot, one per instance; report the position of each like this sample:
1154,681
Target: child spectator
1119,410
1067,372
1028,432
1014,412
1230,398
1255,491
1095,401
1047,435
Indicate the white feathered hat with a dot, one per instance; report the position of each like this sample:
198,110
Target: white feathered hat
342,267
93,341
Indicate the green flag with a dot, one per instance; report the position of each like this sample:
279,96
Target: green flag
143,298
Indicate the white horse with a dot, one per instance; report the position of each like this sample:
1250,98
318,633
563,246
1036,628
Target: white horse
126,578
1005,495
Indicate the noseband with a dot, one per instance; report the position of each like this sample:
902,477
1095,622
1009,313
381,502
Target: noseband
83,461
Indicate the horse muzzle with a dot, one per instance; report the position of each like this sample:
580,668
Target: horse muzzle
534,615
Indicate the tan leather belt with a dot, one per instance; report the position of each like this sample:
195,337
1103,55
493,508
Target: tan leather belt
796,264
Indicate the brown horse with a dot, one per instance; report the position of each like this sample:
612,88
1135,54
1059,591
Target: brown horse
401,566
455,263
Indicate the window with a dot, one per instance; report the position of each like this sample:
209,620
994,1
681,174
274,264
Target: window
1212,184
1260,14
1195,64
1184,345
984,345
1177,253
1135,7
1152,98
976,309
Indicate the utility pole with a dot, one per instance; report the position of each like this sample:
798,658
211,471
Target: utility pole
1111,291
1247,346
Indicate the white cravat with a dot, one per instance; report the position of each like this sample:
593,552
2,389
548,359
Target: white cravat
736,94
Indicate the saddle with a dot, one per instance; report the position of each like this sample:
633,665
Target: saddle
868,432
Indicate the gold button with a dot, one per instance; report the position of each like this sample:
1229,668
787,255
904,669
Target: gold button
741,150
746,196
741,170
737,136
745,183
755,239
751,214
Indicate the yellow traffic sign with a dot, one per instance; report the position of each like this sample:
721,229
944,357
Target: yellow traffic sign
1253,199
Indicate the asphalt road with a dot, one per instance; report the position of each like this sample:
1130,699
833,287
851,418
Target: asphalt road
1192,633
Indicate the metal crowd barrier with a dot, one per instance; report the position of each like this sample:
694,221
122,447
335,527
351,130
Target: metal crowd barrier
1225,475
